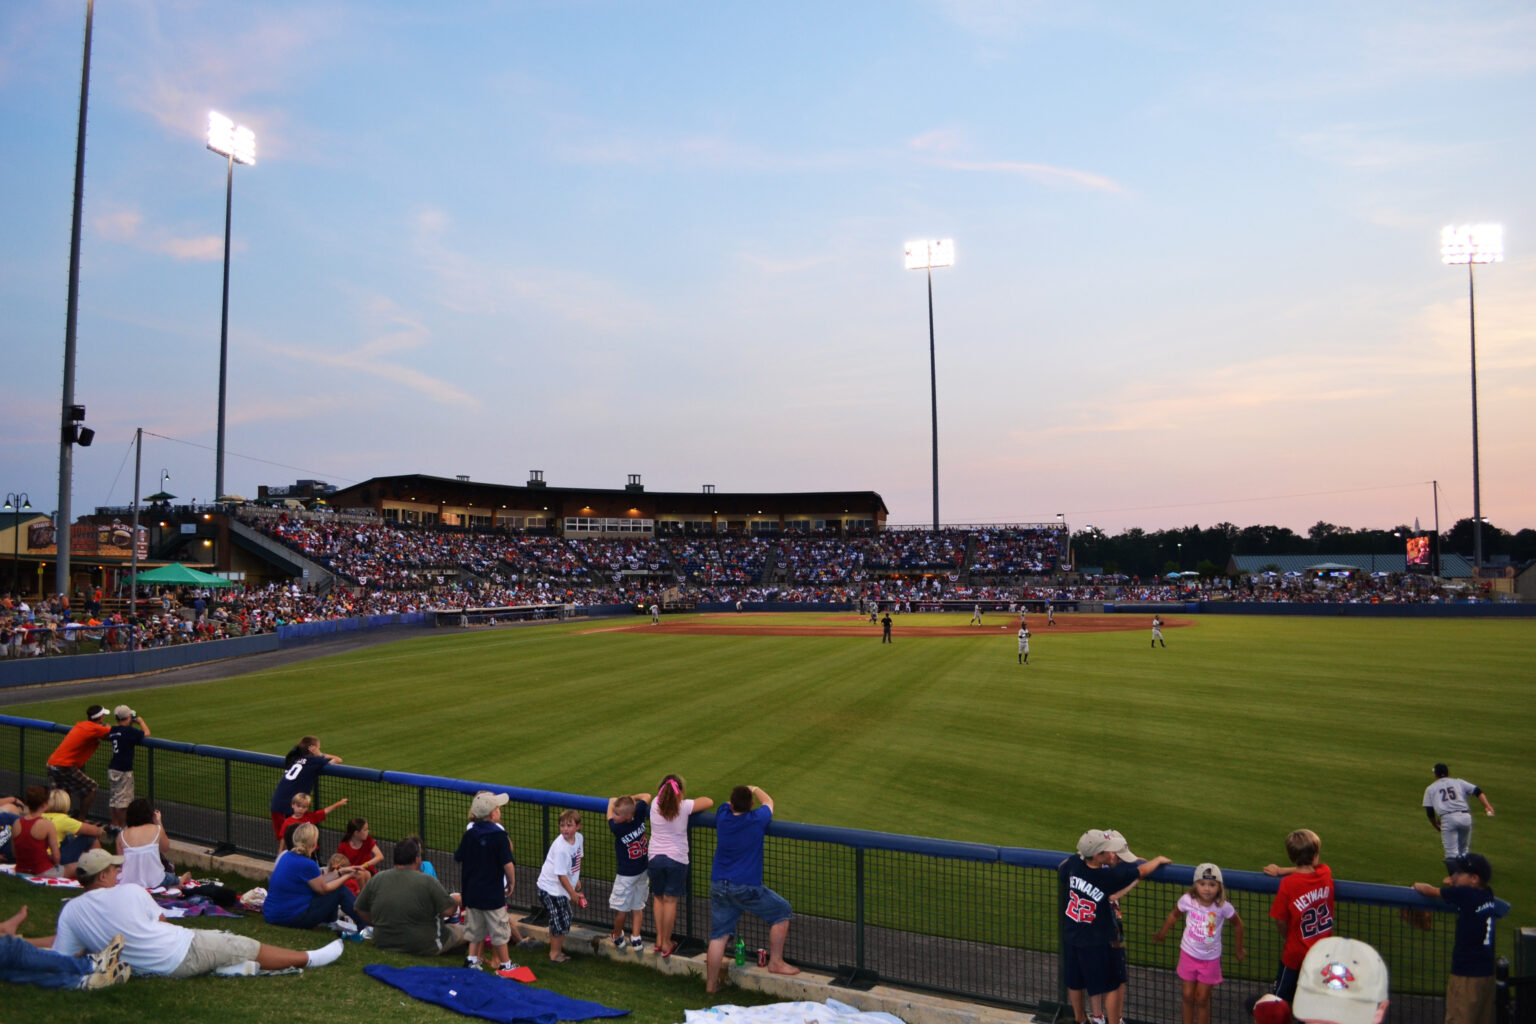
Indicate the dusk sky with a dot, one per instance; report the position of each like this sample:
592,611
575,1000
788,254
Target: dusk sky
1197,279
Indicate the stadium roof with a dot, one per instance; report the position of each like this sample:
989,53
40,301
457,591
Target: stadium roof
564,501
1451,566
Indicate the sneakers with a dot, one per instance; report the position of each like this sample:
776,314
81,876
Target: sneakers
344,925
617,940
506,970
109,955
109,970
636,942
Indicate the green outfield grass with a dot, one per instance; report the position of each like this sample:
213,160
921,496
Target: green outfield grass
1213,749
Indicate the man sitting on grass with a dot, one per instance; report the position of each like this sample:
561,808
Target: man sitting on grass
151,945
407,907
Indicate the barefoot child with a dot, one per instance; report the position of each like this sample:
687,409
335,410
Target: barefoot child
1204,909
560,882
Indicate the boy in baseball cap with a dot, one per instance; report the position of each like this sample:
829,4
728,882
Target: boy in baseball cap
489,873
1469,992
1102,867
1343,981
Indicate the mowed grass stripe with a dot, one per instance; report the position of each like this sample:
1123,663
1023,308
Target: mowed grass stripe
1243,728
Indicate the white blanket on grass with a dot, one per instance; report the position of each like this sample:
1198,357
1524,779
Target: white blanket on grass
830,1012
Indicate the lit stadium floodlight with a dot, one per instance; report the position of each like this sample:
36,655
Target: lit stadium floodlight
236,142
1473,244
925,255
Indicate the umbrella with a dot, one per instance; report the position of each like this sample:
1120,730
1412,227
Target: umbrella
234,499
181,575
160,496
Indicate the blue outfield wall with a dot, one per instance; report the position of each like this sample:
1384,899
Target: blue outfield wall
1482,610
73,668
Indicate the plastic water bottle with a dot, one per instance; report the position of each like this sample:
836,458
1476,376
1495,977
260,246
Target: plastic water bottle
741,952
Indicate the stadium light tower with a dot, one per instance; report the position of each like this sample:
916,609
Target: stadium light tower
926,255
1473,244
237,144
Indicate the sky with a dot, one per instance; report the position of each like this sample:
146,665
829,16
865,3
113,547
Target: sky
1197,274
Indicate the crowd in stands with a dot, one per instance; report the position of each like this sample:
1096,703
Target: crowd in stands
385,568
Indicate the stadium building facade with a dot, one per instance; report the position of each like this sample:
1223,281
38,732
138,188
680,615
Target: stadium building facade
596,512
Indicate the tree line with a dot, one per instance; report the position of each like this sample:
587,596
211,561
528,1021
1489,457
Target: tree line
1207,550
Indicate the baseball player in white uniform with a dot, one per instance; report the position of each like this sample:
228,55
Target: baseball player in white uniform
655,613
1023,645
1157,631
976,617
1445,803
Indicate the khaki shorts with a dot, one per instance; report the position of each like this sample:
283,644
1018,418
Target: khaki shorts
122,789
493,926
211,950
629,893
1469,1000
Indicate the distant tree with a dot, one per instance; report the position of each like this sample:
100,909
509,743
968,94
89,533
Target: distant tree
1458,539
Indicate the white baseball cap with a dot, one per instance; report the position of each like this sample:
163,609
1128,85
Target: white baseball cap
1342,981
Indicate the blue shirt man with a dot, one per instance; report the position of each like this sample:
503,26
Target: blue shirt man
736,882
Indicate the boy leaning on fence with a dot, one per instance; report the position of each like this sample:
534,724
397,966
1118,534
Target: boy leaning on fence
125,738
1302,908
1469,992
1102,867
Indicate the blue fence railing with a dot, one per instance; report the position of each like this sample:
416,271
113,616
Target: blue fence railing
967,919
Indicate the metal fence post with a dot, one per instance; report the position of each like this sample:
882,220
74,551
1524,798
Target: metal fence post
858,908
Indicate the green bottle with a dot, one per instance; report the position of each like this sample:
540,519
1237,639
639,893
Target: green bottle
741,952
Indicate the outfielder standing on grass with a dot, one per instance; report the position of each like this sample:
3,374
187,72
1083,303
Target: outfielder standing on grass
1023,645
1157,631
1445,802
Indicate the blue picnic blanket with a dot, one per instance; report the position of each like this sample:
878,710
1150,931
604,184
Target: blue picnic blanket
480,994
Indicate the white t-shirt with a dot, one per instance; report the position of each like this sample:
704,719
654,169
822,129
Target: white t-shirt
150,946
670,838
1202,927
564,859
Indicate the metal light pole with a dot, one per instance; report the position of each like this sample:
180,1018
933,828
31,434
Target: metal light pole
68,430
15,504
1472,244
926,255
237,144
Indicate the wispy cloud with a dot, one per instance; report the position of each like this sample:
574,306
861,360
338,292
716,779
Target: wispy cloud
370,358
126,226
948,148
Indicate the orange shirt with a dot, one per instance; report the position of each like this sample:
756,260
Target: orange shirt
78,746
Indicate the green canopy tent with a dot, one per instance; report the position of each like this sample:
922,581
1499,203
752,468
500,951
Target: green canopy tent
180,575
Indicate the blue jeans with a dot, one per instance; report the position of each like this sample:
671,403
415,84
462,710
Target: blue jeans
322,909
727,900
25,964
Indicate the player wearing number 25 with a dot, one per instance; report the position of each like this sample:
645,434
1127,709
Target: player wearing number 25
1303,907
1101,869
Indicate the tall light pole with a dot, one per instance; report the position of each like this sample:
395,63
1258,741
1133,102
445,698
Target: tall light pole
69,429
16,504
237,144
926,255
1472,244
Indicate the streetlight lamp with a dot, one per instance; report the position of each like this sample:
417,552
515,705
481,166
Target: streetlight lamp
1472,244
238,145
15,504
926,255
